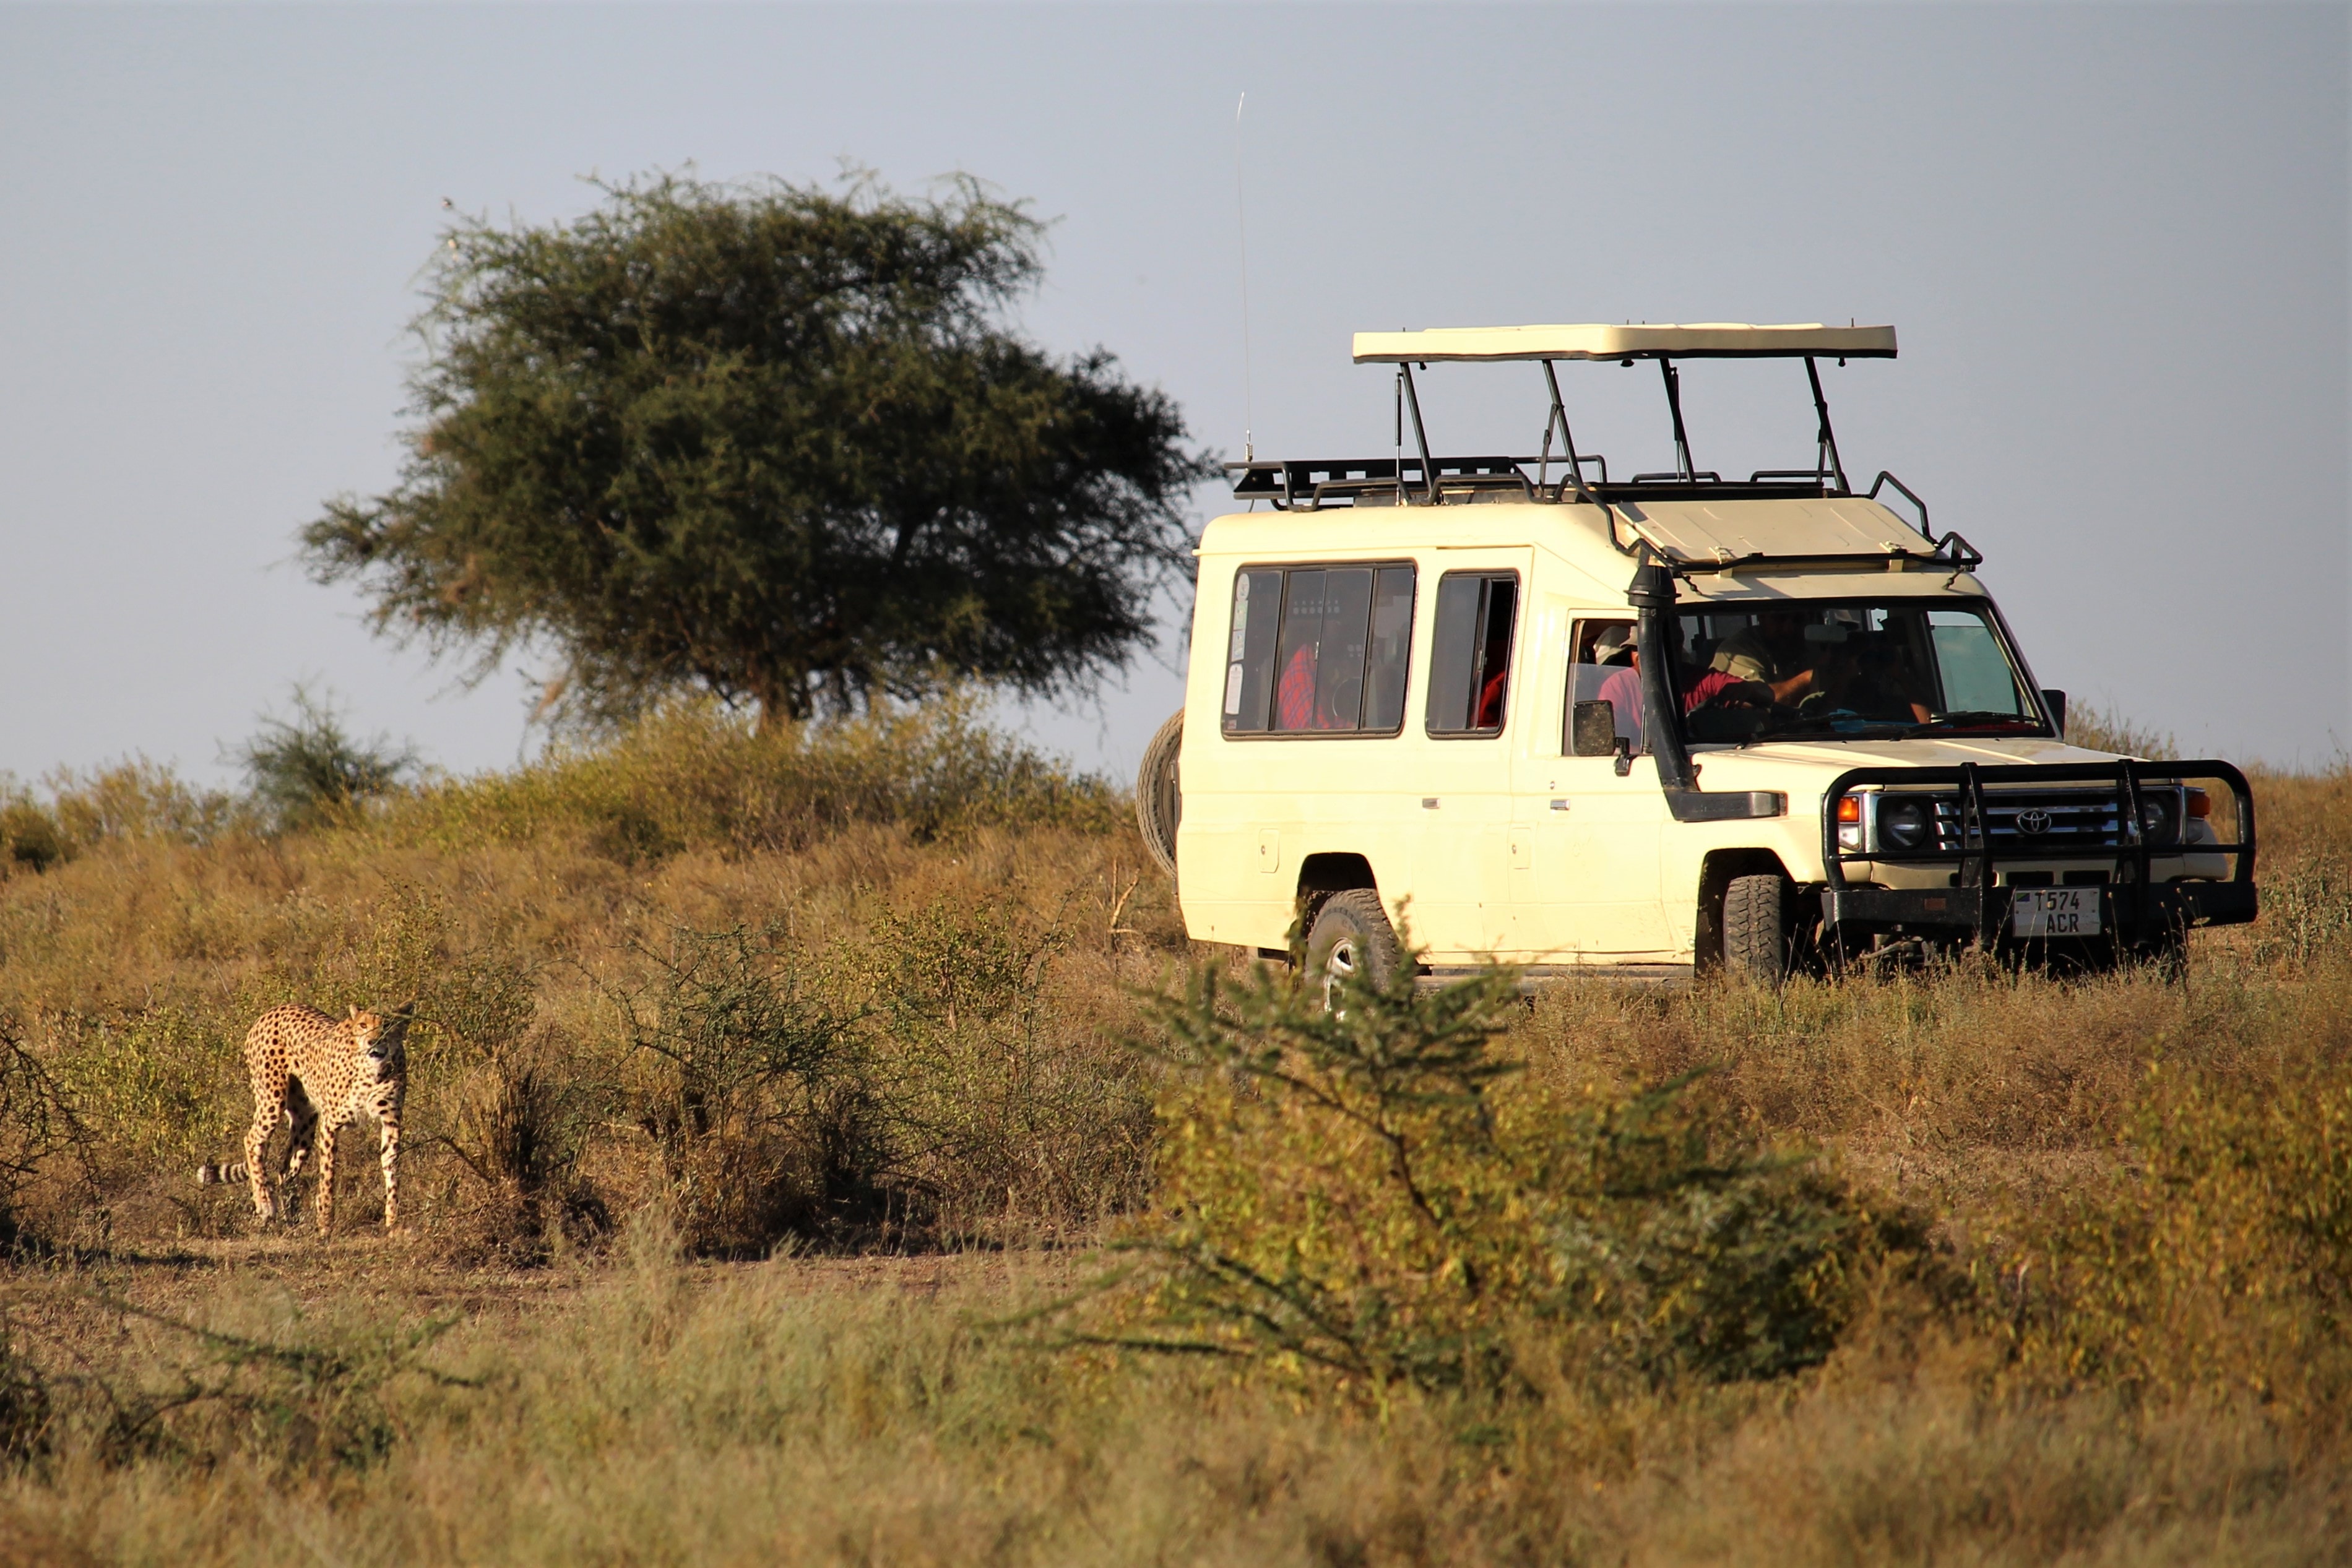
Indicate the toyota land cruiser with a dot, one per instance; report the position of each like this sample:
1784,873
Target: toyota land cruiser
1665,722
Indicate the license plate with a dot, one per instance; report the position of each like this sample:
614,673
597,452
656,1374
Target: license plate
2054,912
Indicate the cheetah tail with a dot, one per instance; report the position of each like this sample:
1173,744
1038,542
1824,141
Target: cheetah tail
207,1175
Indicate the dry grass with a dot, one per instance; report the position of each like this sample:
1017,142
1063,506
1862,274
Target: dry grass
540,934
869,1000
650,1410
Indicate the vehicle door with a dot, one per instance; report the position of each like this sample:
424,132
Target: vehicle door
1595,834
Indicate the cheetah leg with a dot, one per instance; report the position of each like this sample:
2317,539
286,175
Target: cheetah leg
327,1178
303,1118
266,1117
388,1150
254,1138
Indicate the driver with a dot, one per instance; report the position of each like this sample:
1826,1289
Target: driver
1768,653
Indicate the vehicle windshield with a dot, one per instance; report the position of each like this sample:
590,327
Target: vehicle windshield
1848,670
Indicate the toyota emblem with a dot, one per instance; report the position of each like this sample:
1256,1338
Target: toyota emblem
2033,819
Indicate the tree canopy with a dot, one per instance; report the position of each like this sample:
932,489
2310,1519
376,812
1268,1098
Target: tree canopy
770,441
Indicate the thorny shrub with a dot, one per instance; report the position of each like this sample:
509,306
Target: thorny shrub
297,1397
308,772
41,1129
1373,1197
1001,1109
758,1093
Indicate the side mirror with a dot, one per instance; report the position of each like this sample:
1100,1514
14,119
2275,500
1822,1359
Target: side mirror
2055,701
1592,730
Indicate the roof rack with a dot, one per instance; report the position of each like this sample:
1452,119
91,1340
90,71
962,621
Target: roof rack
1395,480
1374,481
1310,485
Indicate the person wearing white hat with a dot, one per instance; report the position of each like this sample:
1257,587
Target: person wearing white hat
1623,690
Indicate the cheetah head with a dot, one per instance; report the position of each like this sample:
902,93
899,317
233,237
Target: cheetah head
375,1040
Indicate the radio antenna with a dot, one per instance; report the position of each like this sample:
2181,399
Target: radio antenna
1241,212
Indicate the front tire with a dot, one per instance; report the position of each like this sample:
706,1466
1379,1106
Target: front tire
1351,936
1756,928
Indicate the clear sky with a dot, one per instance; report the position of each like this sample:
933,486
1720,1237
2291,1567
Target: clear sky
2113,241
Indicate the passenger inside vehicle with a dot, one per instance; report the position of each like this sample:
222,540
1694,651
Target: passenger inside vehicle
1842,668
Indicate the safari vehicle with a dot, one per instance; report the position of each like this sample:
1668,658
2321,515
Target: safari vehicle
1525,712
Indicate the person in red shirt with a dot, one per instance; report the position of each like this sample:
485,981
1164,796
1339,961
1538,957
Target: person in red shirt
1490,703
1622,691
1294,698
1714,683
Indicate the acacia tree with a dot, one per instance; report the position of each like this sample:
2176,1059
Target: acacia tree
770,442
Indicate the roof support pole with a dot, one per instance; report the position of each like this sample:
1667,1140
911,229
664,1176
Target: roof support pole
1543,456
1567,441
1419,436
1399,469
1675,407
1825,460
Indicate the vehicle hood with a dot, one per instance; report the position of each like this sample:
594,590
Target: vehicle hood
1771,765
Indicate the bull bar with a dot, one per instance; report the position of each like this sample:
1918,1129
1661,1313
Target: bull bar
2133,907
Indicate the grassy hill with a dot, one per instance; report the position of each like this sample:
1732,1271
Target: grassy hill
825,1146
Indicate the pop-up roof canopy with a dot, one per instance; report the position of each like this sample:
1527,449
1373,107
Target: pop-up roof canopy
1705,340
1402,480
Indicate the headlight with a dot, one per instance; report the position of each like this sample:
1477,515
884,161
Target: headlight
1902,824
2159,816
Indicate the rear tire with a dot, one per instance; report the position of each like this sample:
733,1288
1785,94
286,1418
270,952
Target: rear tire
1351,936
1159,793
1756,928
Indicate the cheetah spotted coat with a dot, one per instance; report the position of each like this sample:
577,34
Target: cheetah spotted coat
319,1074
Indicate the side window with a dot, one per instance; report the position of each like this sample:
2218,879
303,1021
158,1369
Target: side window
1603,671
1249,658
1470,657
1318,649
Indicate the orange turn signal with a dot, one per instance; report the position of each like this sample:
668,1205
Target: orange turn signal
2201,804
1849,808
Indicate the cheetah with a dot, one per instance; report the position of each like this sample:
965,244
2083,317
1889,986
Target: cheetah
319,1073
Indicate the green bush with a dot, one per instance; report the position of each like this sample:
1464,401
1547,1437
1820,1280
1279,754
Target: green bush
1375,1196
2218,1260
694,775
30,835
165,1085
131,801
306,772
1005,1107
759,1095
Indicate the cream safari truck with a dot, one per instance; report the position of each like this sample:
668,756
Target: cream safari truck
1517,710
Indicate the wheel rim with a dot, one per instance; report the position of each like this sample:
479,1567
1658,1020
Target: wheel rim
1338,964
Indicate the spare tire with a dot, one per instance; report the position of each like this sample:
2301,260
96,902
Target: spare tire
1159,793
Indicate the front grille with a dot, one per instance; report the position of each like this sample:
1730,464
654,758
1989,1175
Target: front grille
2020,820
2039,820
